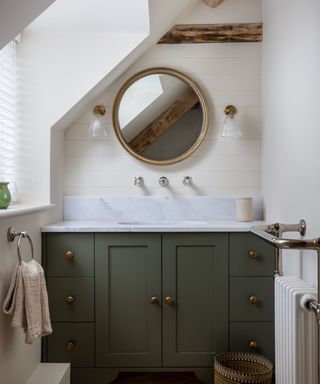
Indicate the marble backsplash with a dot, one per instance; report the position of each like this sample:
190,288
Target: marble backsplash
155,208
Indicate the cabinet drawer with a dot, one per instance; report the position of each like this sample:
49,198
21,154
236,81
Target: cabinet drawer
251,299
250,256
70,254
253,337
80,353
71,298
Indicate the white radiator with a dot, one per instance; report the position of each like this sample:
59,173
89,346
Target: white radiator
295,333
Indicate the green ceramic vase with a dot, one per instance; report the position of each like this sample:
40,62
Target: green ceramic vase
5,196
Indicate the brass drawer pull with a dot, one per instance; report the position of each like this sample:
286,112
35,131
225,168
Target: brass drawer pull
70,346
253,299
253,254
70,299
169,300
69,255
154,300
253,344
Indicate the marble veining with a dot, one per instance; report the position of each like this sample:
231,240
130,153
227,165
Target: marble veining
115,209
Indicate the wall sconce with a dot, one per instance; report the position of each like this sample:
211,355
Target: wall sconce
97,127
230,127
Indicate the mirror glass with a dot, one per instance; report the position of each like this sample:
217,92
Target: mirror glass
160,116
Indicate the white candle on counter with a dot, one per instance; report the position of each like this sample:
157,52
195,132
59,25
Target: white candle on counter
244,209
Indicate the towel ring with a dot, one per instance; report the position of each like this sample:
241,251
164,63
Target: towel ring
12,234
26,236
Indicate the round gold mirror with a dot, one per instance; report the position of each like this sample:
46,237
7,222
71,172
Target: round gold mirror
160,116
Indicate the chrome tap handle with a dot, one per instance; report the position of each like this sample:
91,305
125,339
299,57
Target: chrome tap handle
139,181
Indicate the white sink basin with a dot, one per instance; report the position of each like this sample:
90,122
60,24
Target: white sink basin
163,223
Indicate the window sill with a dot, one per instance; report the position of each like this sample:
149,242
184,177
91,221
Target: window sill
24,209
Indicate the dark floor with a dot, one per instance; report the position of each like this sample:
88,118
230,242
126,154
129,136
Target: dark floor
157,378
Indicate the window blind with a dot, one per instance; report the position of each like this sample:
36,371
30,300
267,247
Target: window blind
8,121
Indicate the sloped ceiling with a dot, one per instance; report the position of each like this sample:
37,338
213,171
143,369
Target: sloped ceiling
15,15
95,16
162,16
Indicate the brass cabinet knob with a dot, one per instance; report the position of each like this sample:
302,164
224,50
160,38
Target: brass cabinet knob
70,346
253,344
69,255
169,300
154,300
253,254
253,299
70,299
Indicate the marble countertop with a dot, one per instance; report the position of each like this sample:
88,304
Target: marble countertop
150,226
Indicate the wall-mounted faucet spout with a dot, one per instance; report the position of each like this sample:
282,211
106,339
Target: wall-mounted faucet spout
187,180
163,181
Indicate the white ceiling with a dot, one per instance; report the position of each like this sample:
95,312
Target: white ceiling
94,16
15,15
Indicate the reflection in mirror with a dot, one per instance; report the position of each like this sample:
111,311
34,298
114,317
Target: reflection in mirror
160,116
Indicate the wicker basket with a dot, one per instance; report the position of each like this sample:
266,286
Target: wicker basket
244,368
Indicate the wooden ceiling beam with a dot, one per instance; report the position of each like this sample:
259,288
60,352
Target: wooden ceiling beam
213,33
163,122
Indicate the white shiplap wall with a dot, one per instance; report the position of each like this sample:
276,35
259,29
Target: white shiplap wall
228,74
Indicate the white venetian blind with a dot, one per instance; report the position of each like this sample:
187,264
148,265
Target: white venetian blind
8,126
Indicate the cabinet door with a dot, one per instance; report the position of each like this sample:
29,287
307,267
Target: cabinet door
128,275
195,276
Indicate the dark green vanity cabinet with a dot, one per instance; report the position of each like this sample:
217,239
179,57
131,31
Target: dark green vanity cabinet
161,309
69,264
152,301
251,294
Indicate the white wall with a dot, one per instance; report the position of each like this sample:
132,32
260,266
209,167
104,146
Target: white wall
53,78
61,71
17,359
228,73
291,122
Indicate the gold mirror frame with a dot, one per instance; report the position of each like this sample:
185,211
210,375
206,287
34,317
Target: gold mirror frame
166,71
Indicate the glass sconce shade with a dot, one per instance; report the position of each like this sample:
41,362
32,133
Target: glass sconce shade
97,127
230,127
